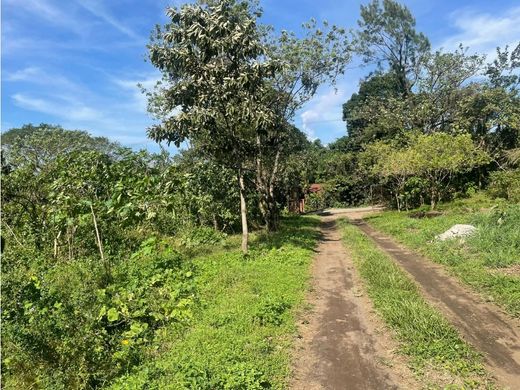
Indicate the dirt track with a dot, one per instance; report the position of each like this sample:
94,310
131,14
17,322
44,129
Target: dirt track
343,344
483,324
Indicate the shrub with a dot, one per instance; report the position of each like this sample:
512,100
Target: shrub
201,236
271,310
505,184
65,327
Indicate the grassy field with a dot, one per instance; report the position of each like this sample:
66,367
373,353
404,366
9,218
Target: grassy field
434,347
489,261
241,335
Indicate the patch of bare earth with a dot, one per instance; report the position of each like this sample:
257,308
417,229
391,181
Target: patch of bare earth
342,343
513,270
483,324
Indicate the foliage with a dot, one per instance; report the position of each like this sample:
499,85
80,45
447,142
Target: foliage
37,145
65,327
306,63
210,55
241,334
416,90
505,184
232,86
438,157
434,158
378,87
387,34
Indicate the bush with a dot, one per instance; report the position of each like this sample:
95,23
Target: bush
201,236
271,310
65,327
505,184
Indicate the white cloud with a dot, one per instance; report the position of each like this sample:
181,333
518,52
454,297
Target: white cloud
23,74
324,112
98,10
483,32
46,10
36,75
71,110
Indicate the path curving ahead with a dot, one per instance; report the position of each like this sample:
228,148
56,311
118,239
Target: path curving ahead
342,344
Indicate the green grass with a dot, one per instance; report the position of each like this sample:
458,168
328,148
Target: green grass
479,261
431,343
241,335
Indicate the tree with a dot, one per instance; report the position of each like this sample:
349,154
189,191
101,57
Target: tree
436,102
503,71
438,157
393,164
37,145
215,73
443,84
315,59
378,87
387,35
491,112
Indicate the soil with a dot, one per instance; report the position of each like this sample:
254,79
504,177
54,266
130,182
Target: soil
483,324
513,270
342,344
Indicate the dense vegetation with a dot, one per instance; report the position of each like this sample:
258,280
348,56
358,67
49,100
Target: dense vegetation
121,267
424,126
104,268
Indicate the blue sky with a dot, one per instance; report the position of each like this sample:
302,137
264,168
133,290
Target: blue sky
77,63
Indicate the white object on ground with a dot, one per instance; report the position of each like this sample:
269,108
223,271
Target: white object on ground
457,231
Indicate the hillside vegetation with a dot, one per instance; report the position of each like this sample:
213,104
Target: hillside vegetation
125,268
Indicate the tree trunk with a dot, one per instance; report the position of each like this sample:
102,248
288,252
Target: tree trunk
433,200
272,211
243,210
100,244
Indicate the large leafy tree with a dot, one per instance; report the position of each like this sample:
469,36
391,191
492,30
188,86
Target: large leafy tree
387,37
379,87
214,67
307,62
37,145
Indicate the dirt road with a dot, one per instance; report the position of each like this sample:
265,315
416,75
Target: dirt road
482,324
343,345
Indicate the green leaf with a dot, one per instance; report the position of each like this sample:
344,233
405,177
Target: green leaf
102,312
112,315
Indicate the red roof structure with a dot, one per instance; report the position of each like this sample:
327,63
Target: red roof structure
315,187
